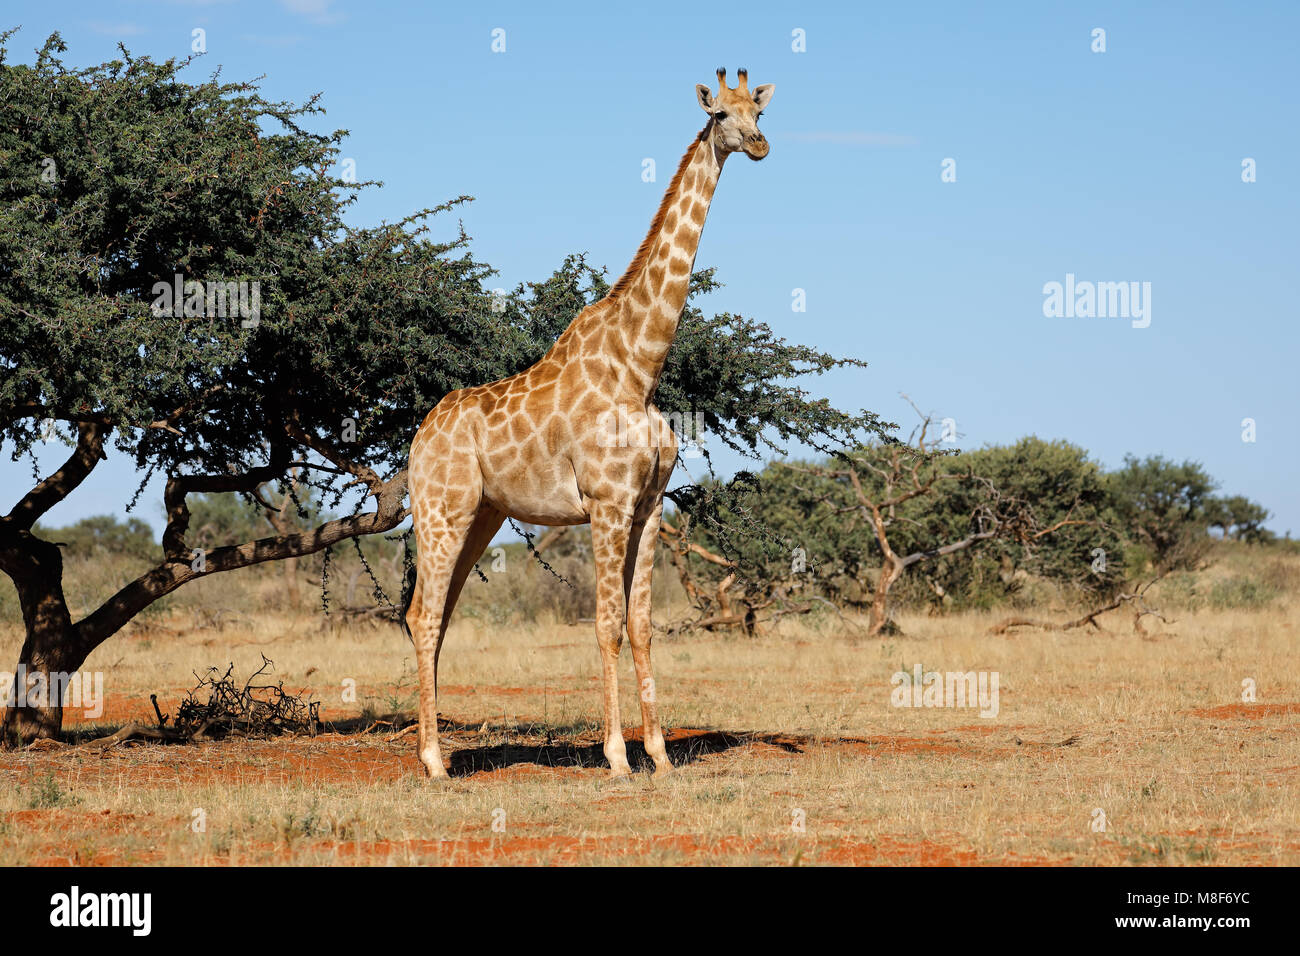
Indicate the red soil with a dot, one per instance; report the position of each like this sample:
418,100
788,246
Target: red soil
73,835
1247,710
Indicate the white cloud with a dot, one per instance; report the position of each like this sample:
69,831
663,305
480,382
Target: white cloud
317,11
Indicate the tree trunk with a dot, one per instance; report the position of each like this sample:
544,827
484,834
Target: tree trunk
55,646
291,583
49,654
52,647
890,572
284,521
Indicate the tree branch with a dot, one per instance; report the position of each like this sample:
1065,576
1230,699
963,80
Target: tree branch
333,455
161,580
179,486
167,423
940,551
89,453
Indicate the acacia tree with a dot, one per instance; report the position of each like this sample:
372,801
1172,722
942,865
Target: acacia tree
1166,508
847,531
1086,554
1154,516
119,178
1239,519
921,505
778,546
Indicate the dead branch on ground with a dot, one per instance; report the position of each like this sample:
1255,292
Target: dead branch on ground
228,710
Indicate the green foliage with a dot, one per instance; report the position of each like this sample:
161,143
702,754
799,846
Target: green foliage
1242,579
104,535
1163,508
1065,490
373,325
1247,593
1083,534
47,794
777,528
1027,487
219,519
1239,518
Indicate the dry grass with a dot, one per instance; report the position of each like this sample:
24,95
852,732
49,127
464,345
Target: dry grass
795,724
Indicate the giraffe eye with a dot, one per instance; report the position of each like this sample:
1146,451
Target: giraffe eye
719,115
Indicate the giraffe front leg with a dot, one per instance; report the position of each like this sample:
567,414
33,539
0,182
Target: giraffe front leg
637,582
610,527
427,633
441,547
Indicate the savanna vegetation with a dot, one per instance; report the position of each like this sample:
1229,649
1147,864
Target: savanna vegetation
1142,622
1108,747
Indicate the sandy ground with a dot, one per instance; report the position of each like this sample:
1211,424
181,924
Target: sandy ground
1106,749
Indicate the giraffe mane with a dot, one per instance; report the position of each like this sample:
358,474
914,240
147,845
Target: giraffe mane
670,196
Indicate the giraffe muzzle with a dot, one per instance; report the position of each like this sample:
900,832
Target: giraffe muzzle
756,146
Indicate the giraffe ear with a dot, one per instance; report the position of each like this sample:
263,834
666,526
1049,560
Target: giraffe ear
763,95
706,98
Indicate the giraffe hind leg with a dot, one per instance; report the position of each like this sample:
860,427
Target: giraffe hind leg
638,571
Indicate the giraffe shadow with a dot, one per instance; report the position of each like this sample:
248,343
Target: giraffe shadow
683,749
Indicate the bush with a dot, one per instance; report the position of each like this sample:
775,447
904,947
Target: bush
104,535
1241,593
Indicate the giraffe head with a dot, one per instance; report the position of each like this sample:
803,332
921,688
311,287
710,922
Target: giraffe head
735,114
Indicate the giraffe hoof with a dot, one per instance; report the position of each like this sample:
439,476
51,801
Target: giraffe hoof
435,773
617,780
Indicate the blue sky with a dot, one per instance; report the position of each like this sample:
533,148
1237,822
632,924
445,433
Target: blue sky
1117,166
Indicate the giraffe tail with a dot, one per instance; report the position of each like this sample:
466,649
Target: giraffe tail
408,594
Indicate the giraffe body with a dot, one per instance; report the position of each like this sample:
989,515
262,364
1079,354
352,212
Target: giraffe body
576,439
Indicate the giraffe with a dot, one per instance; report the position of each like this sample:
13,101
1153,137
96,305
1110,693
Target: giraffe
538,446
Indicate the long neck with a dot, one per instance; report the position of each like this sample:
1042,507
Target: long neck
658,275
638,317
